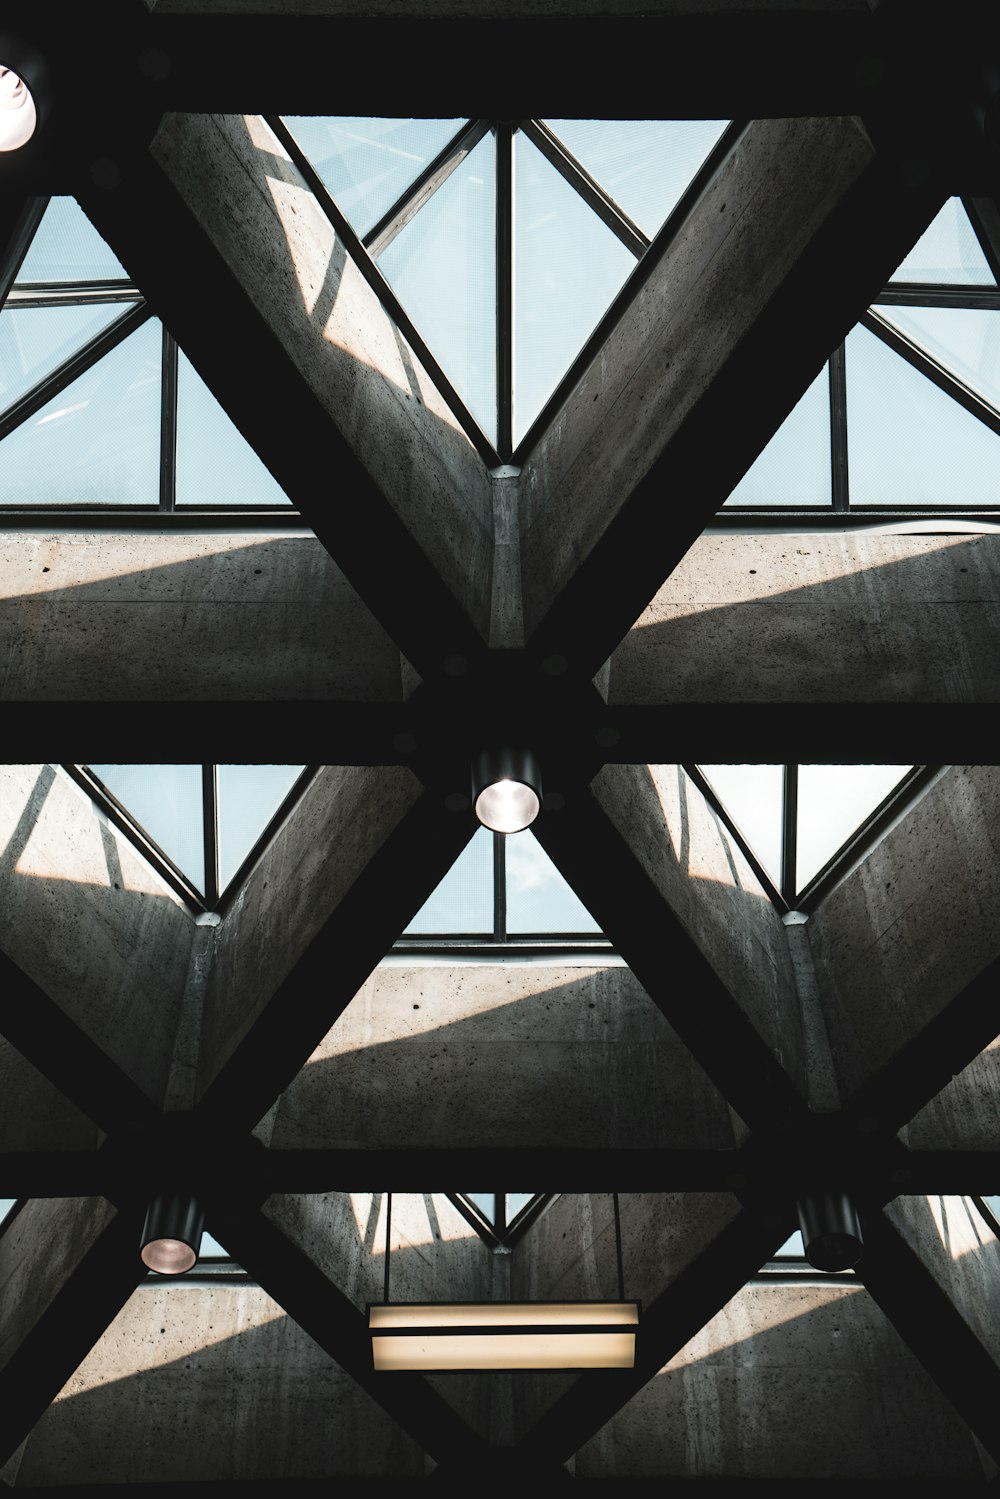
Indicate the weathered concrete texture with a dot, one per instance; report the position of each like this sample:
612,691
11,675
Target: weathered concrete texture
709,887
965,1115
501,1054
961,1252
339,823
912,924
756,218
820,618
34,1115
43,1245
85,917
238,182
115,617
198,1382
788,1380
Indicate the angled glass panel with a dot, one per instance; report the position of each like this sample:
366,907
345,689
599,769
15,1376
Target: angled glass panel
34,341
98,441
463,901
966,340
211,1249
442,267
367,164
215,463
568,268
6,1203
538,897
166,802
67,247
752,795
948,251
908,442
644,165
794,468
486,1202
516,1201
834,800
248,797
792,1249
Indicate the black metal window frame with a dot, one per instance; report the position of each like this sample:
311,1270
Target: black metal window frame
499,1233
786,895
212,898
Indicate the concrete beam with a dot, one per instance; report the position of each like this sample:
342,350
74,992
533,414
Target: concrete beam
508,1056
118,617
658,870
34,1115
819,617
723,335
97,937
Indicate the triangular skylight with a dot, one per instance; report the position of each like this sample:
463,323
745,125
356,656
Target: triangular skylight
794,468
447,251
948,251
965,340
204,819
215,463
35,341
831,803
67,247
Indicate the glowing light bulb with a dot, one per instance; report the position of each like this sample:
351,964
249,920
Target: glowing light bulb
507,806
17,111
168,1256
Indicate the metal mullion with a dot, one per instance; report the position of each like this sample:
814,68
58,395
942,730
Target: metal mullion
210,816
168,423
17,246
499,888
926,365
984,216
839,477
380,286
504,132
913,294
473,1218
708,791
500,1213
72,294
423,187
78,363
588,187
789,831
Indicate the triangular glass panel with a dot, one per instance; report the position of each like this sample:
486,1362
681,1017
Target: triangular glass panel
98,440
366,165
6,1203
908,442
462,902
833,802
215,463
752,796
67,247
249,797
965,340
568,268
645,166
442,267
947,251
794,468
34,341
538,897
167,804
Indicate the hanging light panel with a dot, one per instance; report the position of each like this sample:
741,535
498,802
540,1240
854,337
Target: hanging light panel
504,1335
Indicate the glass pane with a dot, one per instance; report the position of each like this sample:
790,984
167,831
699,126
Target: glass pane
98,441
752,795
166,802
948,250
442,267
965,340
516,1201
67,247
36,340
794,468
538,897
568,267
215,463
908,442
249,796
644,165
486,1203
792,1249
6,1203
367,164
211,1249
463,901
834,800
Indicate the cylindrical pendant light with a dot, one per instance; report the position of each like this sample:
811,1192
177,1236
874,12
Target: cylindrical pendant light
506,789
24,92
831,1231
171,1235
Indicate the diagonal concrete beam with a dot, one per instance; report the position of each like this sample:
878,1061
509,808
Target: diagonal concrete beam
659,873
362,849
345,418
799,229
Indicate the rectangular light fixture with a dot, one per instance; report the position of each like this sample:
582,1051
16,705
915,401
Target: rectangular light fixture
504,1335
